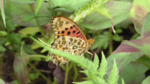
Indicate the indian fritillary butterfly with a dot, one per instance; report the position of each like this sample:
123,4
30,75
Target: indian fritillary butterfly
68,38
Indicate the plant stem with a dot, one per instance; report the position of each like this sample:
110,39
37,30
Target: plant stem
75,73
40,73
41,29
66,75
111,41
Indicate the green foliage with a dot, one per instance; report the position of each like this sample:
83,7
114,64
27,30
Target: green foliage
91,6
113,77
21,19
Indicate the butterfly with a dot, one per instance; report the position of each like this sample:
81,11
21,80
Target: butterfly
68,37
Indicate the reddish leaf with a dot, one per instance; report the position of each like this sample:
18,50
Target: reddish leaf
20,70
60,75
138,13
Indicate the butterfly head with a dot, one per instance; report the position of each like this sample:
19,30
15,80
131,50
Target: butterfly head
90,41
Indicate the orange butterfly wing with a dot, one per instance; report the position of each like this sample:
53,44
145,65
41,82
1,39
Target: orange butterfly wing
65,27
69,38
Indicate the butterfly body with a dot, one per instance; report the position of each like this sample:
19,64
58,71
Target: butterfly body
68,38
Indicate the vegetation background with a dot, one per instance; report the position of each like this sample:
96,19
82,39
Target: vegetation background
24,60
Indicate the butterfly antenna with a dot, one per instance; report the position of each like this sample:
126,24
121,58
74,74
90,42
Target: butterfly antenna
93,34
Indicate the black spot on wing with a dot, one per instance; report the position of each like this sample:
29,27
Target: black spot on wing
68,33
78,32
71,27
63,32
66,28
74,31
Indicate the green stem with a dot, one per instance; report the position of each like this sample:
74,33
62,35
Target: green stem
49,6
41,29
75,73
66,75
111,41
40,73
70,66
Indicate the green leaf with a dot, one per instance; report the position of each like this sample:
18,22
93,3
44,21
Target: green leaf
50,41
34,76
35,45
123,82
136,71
15,82
28,49
15,38
146,26
38,5
146,80
68,6
29,31
104,11
96,61
19,11
2,12
114,75
2,49
103,66
119,11
23,1
3,41
48,58
100,41
10,25
117,38
3,33
118,29
28,17
122,60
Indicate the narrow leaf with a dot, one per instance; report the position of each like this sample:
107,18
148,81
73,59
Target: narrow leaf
38,5
123,81
114,75
96,62
104,11
2,12
103,66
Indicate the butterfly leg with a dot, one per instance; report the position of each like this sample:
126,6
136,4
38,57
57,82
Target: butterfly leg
91,55
81,55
